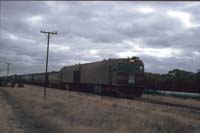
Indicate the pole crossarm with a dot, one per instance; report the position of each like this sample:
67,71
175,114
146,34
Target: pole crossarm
42,31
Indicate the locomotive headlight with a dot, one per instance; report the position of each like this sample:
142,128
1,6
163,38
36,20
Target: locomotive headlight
141,68
131,79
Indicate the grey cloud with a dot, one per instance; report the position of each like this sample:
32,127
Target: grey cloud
103,26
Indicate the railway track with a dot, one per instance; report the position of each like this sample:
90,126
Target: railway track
150,101
167,104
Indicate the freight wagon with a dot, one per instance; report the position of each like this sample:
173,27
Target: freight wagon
53,79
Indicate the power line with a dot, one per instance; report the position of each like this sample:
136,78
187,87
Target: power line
47,56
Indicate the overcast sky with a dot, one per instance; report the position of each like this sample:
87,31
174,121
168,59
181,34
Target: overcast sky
165,35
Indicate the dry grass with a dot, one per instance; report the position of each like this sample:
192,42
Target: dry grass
69,111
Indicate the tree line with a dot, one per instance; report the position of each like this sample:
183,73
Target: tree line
174,80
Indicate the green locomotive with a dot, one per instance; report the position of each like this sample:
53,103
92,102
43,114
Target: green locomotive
124,77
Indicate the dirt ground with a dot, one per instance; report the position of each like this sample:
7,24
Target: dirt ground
74,112
8,121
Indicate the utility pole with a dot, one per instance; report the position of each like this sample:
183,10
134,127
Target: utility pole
47,56
0,72
8,66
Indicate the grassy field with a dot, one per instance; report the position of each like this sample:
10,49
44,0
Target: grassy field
67,111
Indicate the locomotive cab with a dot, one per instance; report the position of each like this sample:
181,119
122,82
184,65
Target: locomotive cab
129,75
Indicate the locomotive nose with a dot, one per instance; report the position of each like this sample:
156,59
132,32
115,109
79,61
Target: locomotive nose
131,79
125,78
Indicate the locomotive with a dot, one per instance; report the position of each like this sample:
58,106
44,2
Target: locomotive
122,76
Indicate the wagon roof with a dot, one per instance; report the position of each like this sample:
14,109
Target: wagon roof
111,60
